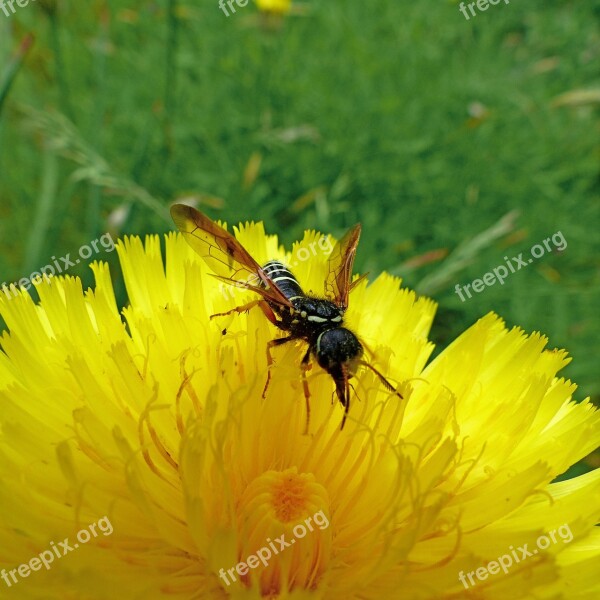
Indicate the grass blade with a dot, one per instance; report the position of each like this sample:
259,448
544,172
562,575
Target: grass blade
14,65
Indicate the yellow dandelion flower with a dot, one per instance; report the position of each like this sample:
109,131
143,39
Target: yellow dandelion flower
153,422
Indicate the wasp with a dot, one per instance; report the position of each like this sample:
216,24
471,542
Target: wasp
317,321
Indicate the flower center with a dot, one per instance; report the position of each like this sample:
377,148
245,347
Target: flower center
284,515
290,493
286,496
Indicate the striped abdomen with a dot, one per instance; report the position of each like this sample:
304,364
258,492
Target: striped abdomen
284,278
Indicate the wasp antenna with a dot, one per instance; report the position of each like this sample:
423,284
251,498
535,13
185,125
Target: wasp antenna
383,380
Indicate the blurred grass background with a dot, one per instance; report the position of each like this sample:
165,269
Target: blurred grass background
427,128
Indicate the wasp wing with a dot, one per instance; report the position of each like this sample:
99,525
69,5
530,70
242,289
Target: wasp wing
223,253
357,281
341,261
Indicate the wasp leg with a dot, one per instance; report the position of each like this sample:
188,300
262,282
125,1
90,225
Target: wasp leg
238,309
271,344
306,367
264,306
268,311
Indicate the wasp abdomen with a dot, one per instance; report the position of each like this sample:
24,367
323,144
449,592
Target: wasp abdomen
284,279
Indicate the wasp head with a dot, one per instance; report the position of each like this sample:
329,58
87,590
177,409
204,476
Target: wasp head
338,351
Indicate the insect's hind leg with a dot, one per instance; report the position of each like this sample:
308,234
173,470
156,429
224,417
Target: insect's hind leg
272,344
305,367
264,306
238,309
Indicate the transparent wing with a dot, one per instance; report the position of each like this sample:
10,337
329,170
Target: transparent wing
229,260
341,261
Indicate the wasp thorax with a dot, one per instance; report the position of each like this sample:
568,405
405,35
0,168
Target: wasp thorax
338,347
317,310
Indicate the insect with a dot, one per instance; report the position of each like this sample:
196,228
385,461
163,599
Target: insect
317,321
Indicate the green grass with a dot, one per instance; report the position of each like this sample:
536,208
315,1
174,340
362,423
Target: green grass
358,112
